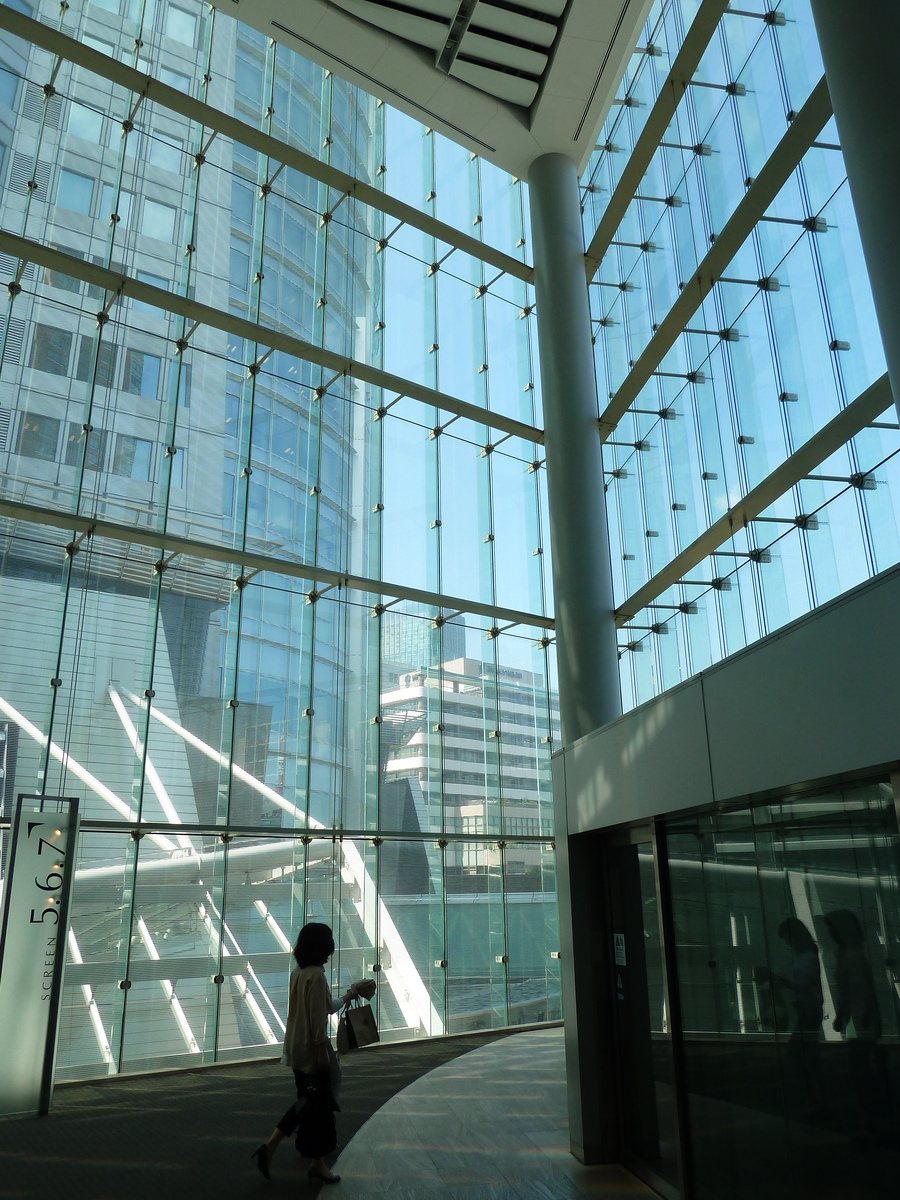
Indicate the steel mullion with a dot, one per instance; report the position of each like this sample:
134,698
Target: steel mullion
686,62
169,97
806,126
262,562
114,281
875,400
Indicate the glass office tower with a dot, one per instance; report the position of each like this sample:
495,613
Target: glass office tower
188,510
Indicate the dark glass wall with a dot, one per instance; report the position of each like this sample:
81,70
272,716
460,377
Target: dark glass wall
782,945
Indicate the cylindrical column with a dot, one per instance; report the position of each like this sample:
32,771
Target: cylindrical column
859,48
589,693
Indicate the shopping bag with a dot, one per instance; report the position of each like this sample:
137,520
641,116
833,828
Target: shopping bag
316,1127
356,1028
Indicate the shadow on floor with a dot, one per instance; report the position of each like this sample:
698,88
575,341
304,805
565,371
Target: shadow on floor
190,1134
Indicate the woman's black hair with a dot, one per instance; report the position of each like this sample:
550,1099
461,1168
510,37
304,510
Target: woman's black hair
315,943
794,932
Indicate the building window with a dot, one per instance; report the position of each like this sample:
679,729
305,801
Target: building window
139,306
38,437
8,85
158,221
181,26
248,81
133,141
57,279
85,123
132,456
96,447
166,152
142,374
240,269
242,202
175,79
184,394
74,192
50,350
523,826
106,362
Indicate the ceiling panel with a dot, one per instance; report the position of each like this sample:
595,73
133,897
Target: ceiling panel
490,19
494,51
509,79
511,88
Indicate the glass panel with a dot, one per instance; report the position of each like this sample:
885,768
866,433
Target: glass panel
92,1001
787,928
222,696
170,1015
643,1033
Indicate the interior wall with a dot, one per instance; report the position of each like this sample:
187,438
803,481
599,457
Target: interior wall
816,700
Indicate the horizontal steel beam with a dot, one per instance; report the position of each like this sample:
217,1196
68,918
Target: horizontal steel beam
856,416
686,62
217,318
801,133
168,544
105,67
323,833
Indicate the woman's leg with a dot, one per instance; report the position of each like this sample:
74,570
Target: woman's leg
288,1123
319,1166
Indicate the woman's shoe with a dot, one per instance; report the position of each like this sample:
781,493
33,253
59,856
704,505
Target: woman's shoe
313,1175
261,1154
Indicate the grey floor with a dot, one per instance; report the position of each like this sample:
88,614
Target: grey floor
490,1125
480,1117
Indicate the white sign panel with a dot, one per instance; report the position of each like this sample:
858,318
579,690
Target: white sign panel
619,939
32,948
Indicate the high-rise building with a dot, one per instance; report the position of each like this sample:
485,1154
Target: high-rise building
234,685
309,374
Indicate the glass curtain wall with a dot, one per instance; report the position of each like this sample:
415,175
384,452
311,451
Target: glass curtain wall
785,341
252,748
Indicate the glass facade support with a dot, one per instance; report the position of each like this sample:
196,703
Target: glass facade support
588,668
859,50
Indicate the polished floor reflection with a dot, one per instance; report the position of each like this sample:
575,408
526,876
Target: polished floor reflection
490,1125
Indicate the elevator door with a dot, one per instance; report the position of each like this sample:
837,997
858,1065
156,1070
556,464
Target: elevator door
649,1127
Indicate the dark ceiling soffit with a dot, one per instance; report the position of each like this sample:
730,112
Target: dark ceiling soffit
551,59
602,71
381,88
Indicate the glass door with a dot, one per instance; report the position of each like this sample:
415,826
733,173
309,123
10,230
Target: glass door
649,1122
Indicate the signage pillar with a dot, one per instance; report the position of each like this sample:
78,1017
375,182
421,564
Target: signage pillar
35,922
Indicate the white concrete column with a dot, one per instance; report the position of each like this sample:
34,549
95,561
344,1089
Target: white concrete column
589,693
859,43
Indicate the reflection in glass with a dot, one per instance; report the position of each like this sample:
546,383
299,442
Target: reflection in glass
787,929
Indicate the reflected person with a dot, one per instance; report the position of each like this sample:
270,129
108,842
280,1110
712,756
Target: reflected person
805,985
857,1018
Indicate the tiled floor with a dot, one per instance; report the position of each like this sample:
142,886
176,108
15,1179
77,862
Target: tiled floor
490,1125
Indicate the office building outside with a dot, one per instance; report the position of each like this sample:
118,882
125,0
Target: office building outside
238,703
302,393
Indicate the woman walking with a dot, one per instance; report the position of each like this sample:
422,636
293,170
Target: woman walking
307,1049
